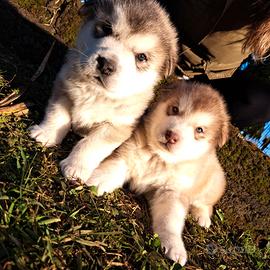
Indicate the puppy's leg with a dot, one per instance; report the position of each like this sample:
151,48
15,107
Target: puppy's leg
56,123
202,213
168,214
109,175
91,150
202,205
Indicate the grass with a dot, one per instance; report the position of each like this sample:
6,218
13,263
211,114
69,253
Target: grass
48,223
45,221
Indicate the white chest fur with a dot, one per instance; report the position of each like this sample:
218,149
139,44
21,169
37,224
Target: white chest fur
148,174
92,106
87,113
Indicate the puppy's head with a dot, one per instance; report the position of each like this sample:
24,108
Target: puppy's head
188,121
125,47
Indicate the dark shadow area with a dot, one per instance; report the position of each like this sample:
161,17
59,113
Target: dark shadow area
206,16
23,46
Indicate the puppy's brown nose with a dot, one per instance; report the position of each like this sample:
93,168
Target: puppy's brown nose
171,137
106,66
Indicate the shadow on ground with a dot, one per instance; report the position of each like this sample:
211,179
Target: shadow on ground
23,45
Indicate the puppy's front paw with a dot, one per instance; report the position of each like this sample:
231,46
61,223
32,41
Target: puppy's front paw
204,221
202,214
101,181
73,169
41,135
175,249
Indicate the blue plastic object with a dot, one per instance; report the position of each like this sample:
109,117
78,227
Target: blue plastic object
244,65
85,1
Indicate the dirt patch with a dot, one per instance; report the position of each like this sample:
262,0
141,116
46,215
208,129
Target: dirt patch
60,18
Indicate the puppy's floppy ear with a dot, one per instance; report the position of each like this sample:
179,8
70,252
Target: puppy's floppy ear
87,9
170,65
224,133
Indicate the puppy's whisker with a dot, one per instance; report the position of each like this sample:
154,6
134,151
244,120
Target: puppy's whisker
80,52
105,22
85,44
80,65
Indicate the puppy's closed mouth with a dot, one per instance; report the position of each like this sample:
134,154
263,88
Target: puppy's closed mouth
166,145
100,79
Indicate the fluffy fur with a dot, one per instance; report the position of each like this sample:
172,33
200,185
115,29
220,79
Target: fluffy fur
172,158
258,36
123,49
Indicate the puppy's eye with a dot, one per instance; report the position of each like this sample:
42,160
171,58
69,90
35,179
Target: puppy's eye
102,30
199,130
173,110
141,57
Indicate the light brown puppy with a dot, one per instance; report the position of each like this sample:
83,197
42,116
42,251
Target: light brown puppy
123,49
172,156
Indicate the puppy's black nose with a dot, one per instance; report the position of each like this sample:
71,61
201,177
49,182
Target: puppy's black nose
171,137
106,66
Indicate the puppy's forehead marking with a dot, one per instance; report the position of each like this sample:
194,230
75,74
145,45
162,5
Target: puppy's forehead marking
142,42
184,101
120,21
186,110
137,42
202,118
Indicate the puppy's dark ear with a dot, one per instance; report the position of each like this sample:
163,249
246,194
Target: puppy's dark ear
224,133
87,9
